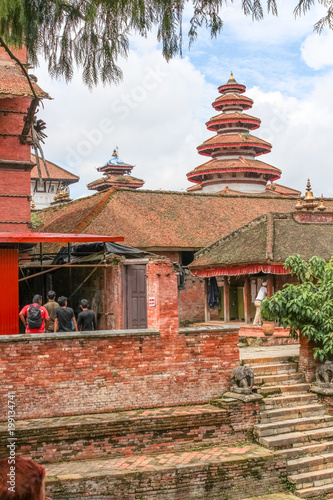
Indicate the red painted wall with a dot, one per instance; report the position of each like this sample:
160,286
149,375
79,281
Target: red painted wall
9,291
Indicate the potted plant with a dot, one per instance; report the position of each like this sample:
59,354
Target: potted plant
268,319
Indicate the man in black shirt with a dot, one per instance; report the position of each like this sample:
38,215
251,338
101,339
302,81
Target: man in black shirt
86,320
64,317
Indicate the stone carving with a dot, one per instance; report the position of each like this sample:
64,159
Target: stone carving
324,373
242,378
324,379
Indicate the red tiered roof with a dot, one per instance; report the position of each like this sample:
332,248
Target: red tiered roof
233,139
249,121
237,165
241,141
227,99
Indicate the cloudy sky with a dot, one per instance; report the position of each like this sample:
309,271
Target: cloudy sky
156,116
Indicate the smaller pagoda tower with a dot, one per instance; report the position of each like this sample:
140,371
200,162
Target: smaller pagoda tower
116,174
233,149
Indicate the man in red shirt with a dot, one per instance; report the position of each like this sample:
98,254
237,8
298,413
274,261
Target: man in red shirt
34,316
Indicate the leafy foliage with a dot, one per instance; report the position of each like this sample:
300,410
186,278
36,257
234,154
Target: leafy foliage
307,308
93,34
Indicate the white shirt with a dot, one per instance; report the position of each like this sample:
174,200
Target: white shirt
262,293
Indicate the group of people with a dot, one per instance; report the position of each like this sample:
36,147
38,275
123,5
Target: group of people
56,316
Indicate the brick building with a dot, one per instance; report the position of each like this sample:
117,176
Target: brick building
231,189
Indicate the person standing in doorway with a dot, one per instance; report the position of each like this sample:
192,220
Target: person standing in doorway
261,295
51,305
86,320
34,316
64,317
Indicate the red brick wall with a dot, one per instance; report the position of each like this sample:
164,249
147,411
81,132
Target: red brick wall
163,287
14,182
307,364
237,477
131,433
59,374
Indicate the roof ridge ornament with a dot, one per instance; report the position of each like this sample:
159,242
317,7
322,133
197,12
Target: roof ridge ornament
309,202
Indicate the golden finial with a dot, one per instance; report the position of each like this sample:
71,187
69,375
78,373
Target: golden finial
321,206
115,151
231,79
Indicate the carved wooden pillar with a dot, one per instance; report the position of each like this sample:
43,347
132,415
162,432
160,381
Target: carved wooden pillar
269,285
207,310
247,300
226,300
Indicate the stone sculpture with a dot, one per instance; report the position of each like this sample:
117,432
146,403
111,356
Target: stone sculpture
324,373
242,378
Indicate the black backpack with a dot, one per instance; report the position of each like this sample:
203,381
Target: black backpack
34,318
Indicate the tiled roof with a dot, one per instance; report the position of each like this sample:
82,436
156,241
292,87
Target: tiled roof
162,219
234,118
56,173
270,238
240,163
233,98
14,83
115,179
282,190
235,139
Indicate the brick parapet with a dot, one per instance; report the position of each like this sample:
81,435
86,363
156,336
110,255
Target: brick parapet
68,374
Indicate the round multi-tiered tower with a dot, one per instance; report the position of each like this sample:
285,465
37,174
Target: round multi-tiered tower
233,149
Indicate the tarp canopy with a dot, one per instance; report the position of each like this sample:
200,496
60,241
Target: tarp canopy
93,248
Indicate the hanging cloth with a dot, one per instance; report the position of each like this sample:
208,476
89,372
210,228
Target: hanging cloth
213,296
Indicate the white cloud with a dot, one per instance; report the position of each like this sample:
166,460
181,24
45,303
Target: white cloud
317,50
156,117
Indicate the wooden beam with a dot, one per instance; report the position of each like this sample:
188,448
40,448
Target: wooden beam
207,310
247,300
226,300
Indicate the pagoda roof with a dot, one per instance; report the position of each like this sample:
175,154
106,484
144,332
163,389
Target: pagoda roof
237,165
56,173
13,82
162,219
251,121
236,140
116,180
282,190
240,100
232,85
268,239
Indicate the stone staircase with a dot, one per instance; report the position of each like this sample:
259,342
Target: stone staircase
296,425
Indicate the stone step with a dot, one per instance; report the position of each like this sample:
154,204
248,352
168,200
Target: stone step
283,389
276,368
266,361
296,439
206,473
312,479
310,463
282,379
115,434
289,400
316,448
288,413
293,425
319,492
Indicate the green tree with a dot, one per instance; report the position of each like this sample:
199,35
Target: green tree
93,34
306,307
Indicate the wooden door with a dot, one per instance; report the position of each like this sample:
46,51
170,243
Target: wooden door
135,296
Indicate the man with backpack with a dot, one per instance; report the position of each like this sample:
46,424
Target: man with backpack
35,317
